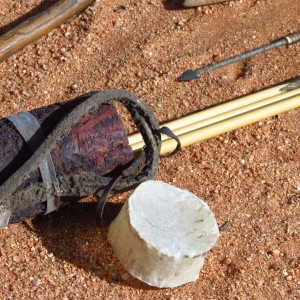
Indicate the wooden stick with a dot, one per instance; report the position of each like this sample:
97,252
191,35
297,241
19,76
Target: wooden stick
39,25
219,109
232,123
193,3
224,116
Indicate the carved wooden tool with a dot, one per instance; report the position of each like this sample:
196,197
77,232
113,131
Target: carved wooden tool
39,25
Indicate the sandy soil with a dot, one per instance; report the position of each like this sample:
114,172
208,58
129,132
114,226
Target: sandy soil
250,176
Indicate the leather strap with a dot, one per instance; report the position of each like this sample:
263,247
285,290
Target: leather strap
31,131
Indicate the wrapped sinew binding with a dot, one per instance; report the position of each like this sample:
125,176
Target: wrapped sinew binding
162,234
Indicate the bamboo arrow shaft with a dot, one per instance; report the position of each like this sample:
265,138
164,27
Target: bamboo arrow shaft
232,123
37,26
235,112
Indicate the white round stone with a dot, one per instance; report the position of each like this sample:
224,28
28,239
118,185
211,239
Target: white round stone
162,234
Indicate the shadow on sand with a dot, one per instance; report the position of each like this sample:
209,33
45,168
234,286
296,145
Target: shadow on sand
72,234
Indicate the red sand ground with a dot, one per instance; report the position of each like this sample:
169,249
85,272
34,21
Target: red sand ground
250,176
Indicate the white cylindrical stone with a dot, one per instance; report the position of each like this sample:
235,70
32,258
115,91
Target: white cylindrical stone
162,234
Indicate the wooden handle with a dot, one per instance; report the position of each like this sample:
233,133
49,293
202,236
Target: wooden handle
192,3
39,25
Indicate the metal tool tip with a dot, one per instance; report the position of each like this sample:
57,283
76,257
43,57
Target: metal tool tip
294,84
188,75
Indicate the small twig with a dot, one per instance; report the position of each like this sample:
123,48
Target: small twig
224,226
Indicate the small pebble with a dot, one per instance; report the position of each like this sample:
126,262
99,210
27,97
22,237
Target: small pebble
125,276
275,252
65,53
74,86
26,94
275,266
260,283
285,273
185,102
15,258
181,22
35,282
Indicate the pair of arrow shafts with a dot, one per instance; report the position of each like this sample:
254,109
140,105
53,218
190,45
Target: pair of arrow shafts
228,116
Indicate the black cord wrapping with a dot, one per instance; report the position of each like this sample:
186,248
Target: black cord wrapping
102,200
167,131
80,185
